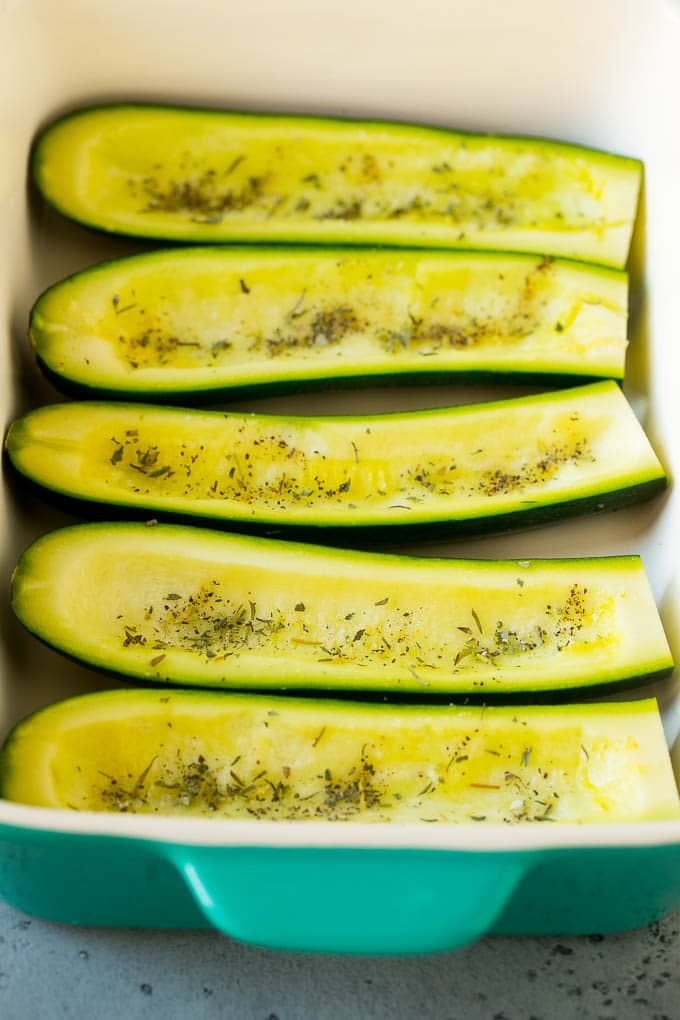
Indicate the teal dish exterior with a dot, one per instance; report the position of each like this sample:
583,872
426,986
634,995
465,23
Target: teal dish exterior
336,900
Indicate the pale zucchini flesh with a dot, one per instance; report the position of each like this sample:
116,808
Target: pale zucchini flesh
190,606
202,321
198,175
243,757
464,469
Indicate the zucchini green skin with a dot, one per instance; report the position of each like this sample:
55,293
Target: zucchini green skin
367,486
195,397
315,318
245,756
358,536
325,198
330,619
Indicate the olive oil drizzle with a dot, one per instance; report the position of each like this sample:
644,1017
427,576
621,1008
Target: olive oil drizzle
316,327
362,185
275,470
510,787
378,634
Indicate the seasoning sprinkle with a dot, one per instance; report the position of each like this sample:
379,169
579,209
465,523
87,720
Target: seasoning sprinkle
416,676
318,737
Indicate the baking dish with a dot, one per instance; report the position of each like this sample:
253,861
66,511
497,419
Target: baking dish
603,73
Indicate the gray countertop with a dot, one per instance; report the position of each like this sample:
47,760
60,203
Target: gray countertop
49,971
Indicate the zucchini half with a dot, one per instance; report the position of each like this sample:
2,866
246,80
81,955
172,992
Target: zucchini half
183,605
463,469
244,757
203,321
206,175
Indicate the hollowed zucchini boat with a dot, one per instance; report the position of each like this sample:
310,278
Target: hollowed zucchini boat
462,469
183,605
198,175
205,321
243,757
